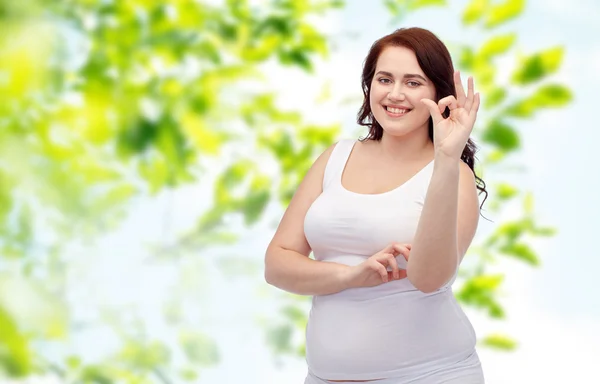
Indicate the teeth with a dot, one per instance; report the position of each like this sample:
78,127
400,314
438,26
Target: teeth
397,110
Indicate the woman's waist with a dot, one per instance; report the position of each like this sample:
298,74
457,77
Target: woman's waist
385,359
467,361
403,321
392,315
401,291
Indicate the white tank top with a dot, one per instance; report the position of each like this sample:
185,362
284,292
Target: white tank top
392,330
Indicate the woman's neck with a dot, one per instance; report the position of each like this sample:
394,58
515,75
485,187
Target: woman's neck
415,145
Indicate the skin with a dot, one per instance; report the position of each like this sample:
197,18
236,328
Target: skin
451,211
395,84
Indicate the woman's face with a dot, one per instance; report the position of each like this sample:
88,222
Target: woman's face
397,88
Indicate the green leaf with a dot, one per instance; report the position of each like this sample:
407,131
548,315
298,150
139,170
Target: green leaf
144,355
504,12
392,6
319,137
501,135
73,362
484,71
487,282
400,8
510,231
227,184
501,342
44,316
521,251
199,348
528,203
539,65
416,4
506,191
552,95
257,199
547,96
210,51
522,108
544,231
188,374
467,58
497,45
15,356
280,338
296,315
96,374
138,136
474,11
115,196
479,291
276,25
296,57
494,97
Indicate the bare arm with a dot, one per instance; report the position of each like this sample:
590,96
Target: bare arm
447,225
451,211
287,265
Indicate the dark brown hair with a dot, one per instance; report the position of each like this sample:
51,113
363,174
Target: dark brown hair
435,61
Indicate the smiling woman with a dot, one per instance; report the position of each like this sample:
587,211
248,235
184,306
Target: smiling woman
389,219
395,93
430,59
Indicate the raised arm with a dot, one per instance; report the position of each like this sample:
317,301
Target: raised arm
447,226
451,210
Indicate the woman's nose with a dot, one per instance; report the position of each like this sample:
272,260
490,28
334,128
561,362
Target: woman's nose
396,93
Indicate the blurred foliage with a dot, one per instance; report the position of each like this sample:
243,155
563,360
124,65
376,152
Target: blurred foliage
105,102
399,8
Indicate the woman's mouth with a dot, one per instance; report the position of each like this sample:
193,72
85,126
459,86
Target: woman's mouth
396,112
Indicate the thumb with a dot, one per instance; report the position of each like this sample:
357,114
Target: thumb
434,110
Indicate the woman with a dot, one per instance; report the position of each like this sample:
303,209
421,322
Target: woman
389,219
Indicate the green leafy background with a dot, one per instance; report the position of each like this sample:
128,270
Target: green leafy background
149,148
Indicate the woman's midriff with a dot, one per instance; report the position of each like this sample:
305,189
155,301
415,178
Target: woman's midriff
395,333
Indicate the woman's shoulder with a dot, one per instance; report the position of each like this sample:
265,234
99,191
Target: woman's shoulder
336,146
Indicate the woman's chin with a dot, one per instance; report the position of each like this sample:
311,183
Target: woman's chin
397,130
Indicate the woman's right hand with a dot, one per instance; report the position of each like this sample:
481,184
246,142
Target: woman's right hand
374,270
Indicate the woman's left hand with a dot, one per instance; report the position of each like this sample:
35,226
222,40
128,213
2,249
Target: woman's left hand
450,134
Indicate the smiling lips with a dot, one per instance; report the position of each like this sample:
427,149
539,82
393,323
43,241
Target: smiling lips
396,112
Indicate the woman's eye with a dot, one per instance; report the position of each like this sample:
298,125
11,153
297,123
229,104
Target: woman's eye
413,84
384,80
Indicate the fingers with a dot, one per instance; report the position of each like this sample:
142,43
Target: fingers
393,248
436,115
474,109
460,91
402,249
388,259
389,249
383,272
448,101
476,103
470,96
394,265
401,275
